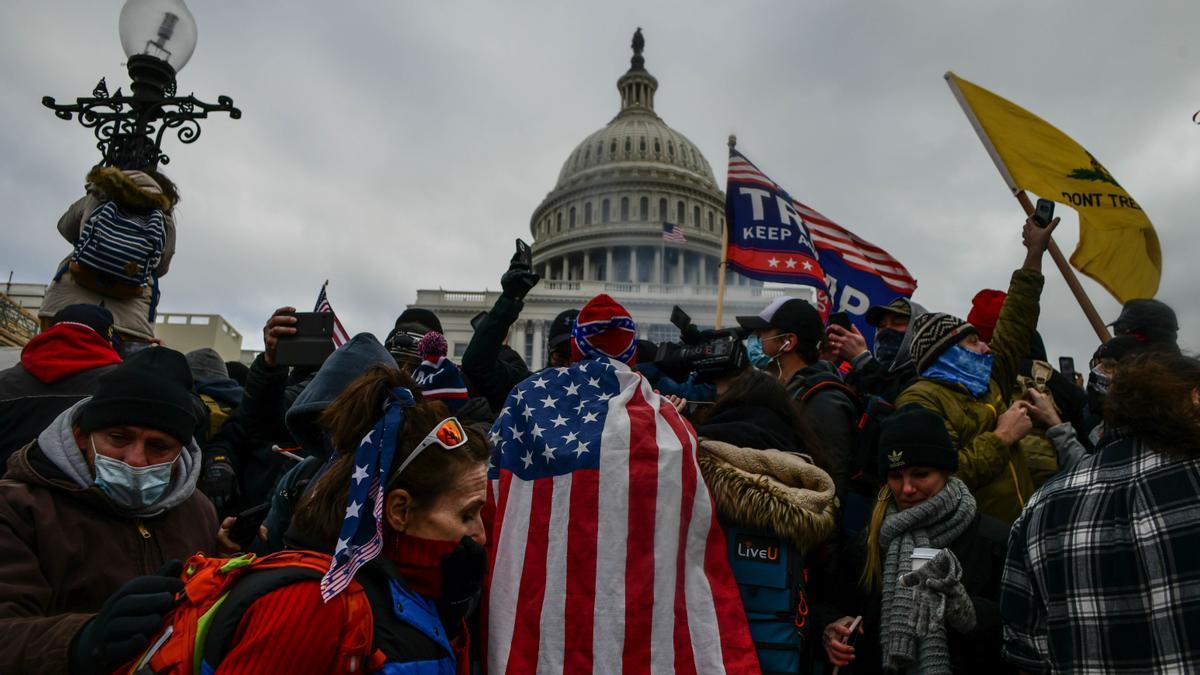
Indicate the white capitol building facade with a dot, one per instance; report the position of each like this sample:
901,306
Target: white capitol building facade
600,231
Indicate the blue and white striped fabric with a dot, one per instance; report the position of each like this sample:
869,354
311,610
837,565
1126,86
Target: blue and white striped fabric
124,245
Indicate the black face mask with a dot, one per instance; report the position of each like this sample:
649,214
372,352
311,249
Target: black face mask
887,345
1097,391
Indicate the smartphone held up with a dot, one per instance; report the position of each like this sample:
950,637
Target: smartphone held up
1043,213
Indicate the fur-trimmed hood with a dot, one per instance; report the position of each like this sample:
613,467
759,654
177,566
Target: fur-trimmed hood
770,490
133,189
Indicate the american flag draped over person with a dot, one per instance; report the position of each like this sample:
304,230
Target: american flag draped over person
606,553
340,336
774,237
361,536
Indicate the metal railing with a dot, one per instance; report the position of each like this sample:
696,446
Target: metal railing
17,325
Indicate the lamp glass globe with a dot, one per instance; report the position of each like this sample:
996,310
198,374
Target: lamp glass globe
163,29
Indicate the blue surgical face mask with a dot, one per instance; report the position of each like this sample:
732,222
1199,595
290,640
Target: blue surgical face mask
754,350
131,488
887,345
961,365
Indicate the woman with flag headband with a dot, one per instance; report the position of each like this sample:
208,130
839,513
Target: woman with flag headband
606,556
395,518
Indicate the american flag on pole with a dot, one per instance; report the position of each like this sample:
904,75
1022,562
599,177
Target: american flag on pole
606,553
774,237
673,234
340,336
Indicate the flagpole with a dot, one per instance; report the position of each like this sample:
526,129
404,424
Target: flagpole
1064,266
723,266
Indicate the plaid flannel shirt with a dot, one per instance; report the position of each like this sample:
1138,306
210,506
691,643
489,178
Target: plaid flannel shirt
1103,569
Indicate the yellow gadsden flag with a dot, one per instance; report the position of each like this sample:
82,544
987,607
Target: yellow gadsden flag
1117,244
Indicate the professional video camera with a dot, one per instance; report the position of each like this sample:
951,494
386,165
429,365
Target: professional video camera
709,353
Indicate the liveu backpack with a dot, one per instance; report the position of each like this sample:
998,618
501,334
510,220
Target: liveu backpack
199,631
118,250
772,581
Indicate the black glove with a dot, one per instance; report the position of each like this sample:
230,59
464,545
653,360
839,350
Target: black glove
462,578
122,629
218,480
519,279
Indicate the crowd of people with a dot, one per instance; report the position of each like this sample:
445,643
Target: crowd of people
944,502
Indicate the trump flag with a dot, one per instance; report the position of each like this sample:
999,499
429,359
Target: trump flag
606,555
773,237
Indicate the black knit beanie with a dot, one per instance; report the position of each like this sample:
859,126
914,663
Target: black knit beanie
933,334
915,436
152,388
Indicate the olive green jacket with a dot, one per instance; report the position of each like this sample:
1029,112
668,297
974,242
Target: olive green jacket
997,474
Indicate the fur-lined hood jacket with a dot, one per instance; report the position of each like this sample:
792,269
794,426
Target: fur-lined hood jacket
770,490
131,189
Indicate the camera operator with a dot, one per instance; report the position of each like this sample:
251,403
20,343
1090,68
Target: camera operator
789,332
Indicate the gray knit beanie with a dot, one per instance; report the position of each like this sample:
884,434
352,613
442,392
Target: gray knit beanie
206,364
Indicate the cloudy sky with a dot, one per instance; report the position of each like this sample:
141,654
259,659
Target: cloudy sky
395,145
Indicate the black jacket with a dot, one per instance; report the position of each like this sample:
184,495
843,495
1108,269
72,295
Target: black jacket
831,414
871,378
255,426
492,376
980,549
750,426
28,405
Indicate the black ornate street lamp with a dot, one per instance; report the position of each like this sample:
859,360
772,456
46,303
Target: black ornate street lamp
158,36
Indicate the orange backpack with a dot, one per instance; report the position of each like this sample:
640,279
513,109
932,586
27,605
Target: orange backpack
217,592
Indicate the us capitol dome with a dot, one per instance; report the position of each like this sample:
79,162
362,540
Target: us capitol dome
600,230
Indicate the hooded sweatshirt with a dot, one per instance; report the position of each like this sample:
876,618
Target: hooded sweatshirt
57,442
869,377
67,547
58,368
341,368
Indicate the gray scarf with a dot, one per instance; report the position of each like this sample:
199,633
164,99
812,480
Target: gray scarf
934,523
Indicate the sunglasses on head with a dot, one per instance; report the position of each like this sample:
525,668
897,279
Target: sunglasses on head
448,433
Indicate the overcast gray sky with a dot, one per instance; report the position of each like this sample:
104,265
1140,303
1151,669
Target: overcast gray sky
390,146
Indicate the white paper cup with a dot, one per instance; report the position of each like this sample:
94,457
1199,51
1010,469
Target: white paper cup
920,556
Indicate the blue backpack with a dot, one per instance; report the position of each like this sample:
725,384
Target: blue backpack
773,582
118,250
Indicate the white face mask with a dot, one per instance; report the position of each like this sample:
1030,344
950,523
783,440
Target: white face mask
131,488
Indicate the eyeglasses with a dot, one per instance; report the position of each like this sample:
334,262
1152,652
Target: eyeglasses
448,433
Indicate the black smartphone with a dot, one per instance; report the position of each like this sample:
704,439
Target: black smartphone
525,253
1066,366
476,319
839,319
1044,212
245,528
312,342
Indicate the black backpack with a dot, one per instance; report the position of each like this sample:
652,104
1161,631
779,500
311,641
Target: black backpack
865,481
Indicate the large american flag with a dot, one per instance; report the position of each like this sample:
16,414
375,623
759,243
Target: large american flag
606,554
340,336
